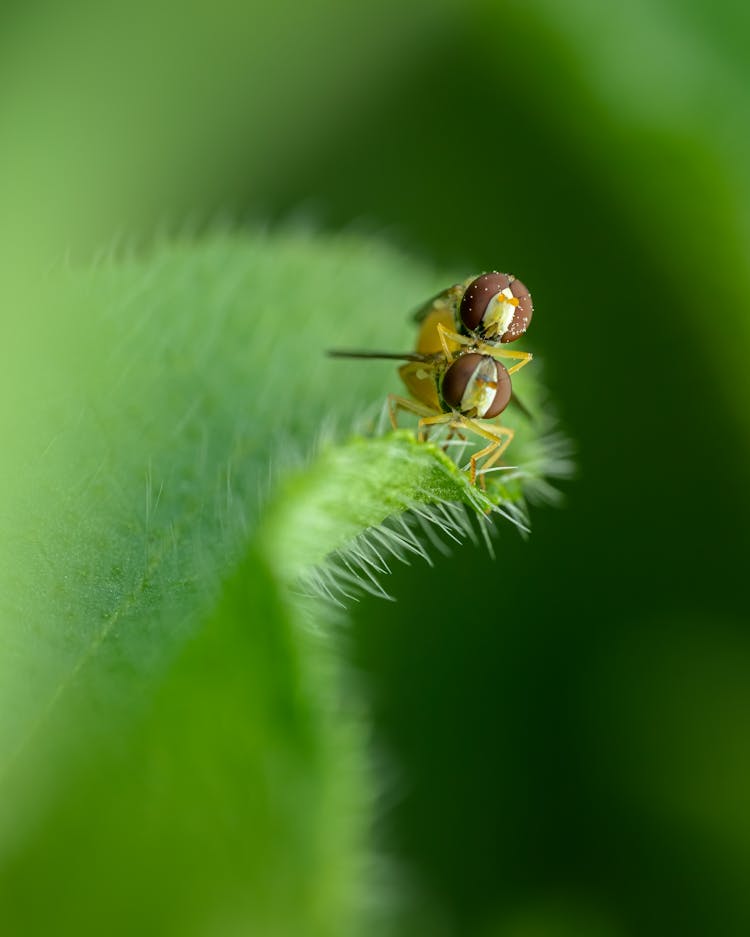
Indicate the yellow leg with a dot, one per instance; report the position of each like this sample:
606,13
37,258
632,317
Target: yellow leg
499,442
433,421
396,403
453,431
523,357
497,454
446,335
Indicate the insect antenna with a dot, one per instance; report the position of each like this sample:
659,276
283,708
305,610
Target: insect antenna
393,356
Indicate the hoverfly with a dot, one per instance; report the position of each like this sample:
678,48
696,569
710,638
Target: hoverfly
481,314
454,375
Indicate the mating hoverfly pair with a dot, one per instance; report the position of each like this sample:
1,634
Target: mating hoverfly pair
454,375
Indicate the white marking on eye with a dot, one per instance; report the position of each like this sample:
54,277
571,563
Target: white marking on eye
499,312
480,389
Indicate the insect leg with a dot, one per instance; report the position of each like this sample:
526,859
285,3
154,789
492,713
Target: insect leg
497,454
454,431
499,442
396,403
523,357
446,335
433,421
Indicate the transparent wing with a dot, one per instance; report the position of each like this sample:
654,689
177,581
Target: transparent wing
447,299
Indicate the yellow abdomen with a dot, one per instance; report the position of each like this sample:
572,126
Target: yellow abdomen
421,379
428,340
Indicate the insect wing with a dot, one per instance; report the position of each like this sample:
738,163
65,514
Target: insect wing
446,299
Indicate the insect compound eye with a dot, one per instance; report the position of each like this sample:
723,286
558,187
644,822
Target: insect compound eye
497,307
476,385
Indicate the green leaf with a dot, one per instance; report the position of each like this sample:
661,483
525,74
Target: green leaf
177,752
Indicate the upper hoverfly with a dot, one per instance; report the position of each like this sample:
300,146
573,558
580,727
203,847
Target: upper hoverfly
482,314
454,375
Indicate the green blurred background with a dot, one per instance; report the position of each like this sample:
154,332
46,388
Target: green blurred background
563,732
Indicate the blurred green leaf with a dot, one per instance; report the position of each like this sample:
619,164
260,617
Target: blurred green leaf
143,114
229,802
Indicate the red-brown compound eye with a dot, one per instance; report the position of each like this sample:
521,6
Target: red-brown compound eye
476,385
477,296
497,307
